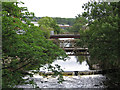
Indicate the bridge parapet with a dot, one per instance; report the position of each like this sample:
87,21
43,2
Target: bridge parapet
64,43
69,45
65,36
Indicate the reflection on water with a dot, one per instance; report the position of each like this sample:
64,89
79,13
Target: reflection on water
83,81
72,64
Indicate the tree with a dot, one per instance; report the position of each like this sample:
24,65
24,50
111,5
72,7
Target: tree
102,38
28,50
103,29
80,24
69,21
48,24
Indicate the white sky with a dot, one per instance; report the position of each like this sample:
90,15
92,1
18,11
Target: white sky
55,8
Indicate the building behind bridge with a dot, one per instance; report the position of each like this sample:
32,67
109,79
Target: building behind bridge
64,26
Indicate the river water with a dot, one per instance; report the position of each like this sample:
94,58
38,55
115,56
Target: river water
71,64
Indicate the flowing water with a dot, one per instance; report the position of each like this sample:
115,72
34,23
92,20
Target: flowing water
71,64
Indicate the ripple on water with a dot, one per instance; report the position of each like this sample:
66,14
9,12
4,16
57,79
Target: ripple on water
85,81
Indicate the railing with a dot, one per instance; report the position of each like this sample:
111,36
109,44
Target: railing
65,36
73,49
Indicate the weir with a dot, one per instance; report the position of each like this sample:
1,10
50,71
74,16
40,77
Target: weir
74,73
65,36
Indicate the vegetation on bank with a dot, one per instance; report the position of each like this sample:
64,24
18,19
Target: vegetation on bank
24,46
59,20
64,21
47,24
80,24
102,36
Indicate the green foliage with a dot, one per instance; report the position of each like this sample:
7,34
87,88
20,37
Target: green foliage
24,51
65,21
48,24
103,33
69,21
102,38
47,21
80,59
57,72
80,24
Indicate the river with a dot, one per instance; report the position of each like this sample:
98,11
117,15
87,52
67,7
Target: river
80,81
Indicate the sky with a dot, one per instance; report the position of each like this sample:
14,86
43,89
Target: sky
55,8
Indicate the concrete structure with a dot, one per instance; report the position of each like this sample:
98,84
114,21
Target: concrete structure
64,26
51,32
65,36
35,23
69,45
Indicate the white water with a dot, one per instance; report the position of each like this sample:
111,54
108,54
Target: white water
85,81
72,64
